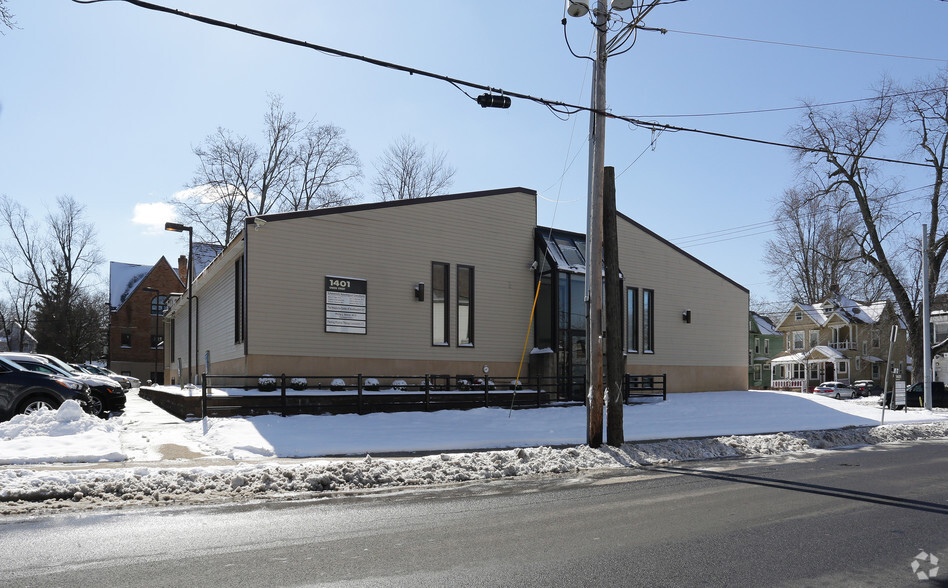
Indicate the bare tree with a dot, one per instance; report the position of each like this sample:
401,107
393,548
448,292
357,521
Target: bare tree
16,314
814,249
300,166
407,170
57,262
6,16
890,226
326,168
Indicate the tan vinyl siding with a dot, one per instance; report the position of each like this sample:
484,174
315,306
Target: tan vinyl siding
216,310
392,249
715,338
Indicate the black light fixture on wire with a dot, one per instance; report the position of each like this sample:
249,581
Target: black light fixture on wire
493,101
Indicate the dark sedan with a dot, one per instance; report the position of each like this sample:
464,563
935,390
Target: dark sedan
23,391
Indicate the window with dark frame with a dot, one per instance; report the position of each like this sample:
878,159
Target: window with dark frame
648,321
465,305
440,294
239,300
632,320
126,340
158,305
156,341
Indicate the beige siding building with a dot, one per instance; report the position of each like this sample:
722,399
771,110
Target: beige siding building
445,285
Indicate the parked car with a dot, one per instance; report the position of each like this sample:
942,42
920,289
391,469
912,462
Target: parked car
23,391
107,394
836,390
867,388
915,396
133,382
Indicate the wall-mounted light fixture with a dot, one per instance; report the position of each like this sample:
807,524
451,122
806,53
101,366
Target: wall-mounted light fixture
420,291
686,316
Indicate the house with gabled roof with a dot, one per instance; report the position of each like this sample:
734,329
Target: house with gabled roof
137,299
837,339
764,341
461,284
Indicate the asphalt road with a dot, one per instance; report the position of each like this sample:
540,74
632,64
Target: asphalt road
840,518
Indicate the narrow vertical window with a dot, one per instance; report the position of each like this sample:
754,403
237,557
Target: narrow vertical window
440,317
465,305
648,321
239,300
632,320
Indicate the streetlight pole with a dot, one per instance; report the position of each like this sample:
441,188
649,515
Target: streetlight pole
154,310
179,228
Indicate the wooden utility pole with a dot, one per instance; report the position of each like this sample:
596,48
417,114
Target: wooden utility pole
615,358
597,149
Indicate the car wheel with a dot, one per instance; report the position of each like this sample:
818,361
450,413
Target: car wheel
853,395
96,407
837,396
35,404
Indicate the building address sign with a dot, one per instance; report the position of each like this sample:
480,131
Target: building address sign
345,305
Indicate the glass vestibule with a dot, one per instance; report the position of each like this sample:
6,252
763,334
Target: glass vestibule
560,317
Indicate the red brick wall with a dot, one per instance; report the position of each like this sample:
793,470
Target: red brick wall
134,318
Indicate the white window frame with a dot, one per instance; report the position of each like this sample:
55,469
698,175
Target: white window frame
798,337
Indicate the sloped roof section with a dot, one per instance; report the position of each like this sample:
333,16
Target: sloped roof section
123,279
764,325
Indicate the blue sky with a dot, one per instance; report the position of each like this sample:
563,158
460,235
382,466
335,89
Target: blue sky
104,102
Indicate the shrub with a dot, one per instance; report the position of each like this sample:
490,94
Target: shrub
371,384
267,383
298,384
337,385
399,385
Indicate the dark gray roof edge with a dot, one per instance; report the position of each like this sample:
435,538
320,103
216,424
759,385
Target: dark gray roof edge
680,250
278,216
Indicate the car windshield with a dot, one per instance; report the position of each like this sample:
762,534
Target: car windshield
61,364
45,368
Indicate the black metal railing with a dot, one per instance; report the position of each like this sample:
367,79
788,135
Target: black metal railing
653,386
345,394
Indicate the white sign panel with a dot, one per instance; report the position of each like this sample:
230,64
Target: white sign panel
345,305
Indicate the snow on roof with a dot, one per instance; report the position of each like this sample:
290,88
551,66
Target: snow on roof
123,279
764,325
845,308
818,353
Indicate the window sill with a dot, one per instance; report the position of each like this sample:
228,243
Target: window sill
470,345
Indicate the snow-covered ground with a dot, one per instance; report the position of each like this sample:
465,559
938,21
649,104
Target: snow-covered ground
67,458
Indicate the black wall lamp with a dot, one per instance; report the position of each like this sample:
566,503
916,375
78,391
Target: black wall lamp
420,291
686,316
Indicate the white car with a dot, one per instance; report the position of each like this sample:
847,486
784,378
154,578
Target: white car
836,390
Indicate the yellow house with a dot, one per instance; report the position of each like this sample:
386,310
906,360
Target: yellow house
445,285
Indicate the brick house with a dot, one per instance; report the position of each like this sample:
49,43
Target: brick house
137,300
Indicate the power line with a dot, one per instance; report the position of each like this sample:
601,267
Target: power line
557,107
710,238
787,108
797,45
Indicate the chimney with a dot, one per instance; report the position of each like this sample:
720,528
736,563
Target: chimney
183,268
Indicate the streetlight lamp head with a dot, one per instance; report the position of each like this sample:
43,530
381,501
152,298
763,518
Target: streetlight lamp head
577,7
622,4
177,227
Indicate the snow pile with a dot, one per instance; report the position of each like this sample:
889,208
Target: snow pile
23,490
165,460
64,435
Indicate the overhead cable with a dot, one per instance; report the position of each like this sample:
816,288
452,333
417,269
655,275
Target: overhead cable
557,107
